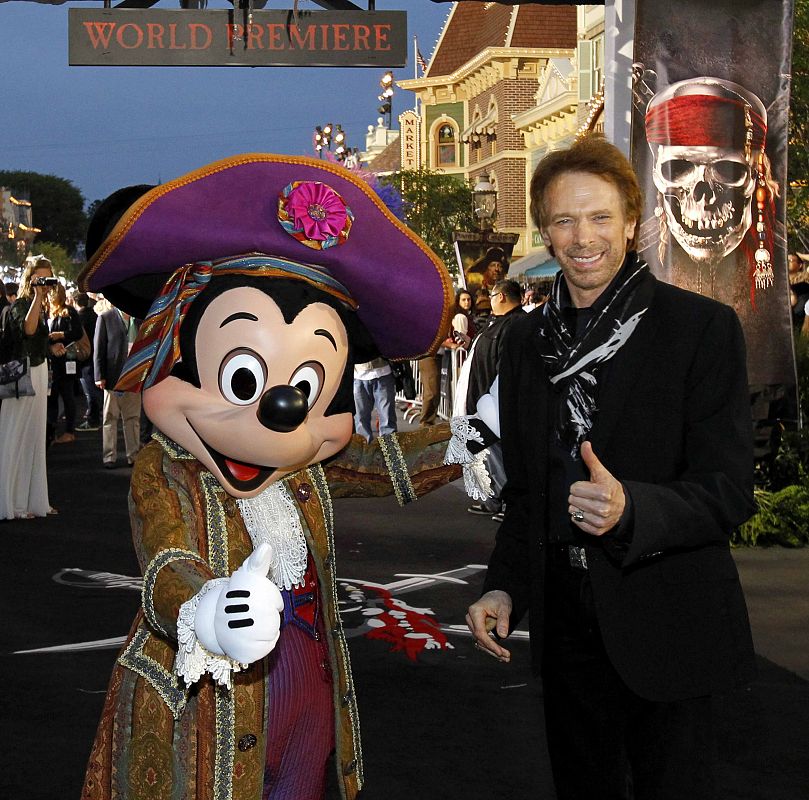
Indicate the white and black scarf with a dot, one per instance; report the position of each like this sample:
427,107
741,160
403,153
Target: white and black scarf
573,364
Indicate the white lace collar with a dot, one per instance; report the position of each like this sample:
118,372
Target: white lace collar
272,517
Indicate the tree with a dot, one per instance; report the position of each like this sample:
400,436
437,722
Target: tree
798,159
57,206
92,208
436,205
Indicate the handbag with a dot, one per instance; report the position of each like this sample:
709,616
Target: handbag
15,379
79,350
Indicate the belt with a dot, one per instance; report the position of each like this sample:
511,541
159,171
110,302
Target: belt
568,555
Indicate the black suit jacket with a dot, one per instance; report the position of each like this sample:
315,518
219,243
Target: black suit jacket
110,348
486,356
674,427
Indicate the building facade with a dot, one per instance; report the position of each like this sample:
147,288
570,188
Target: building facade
504,85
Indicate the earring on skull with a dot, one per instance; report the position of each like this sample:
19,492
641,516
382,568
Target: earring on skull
662,229
763,272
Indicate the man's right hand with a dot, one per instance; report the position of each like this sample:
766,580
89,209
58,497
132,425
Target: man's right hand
491,612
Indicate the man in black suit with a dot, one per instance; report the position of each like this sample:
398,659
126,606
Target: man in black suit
625,426
505,297
115,332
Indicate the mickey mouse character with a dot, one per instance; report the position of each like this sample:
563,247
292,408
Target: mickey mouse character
261,280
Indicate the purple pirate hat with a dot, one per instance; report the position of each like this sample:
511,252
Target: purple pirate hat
296,209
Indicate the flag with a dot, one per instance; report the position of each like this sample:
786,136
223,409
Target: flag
419,57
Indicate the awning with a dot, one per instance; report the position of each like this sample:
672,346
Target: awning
485,125
537,264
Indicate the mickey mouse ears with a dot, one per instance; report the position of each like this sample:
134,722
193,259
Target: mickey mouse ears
295,208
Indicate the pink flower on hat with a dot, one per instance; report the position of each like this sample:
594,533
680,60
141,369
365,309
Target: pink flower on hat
314,214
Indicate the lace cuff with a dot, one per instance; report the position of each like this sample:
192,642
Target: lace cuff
192,658
477,483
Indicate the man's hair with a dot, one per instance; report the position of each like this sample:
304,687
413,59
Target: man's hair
595,155
510,289
11,288
81,299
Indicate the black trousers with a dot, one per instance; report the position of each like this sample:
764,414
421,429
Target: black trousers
606,742
63,386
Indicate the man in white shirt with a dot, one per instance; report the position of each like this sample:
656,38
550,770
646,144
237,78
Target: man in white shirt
374,385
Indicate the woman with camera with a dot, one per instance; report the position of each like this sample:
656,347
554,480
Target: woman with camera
65,327
23,475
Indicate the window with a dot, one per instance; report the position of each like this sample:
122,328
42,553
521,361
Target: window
598,62
446,144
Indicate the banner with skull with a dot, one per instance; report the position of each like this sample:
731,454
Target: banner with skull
709,140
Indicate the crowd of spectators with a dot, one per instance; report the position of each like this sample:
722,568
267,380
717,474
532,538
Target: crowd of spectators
75,345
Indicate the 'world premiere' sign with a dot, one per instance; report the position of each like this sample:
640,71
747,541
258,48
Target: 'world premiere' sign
222,37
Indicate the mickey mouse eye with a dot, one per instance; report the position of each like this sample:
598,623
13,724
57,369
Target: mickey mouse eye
309,379
242,377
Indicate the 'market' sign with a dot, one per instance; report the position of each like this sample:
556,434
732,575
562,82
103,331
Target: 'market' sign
222,37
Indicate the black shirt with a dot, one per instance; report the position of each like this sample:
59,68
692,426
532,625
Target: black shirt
563,468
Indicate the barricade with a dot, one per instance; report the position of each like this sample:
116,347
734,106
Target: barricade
412,408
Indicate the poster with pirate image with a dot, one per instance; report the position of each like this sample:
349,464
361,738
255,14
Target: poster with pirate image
483,258
709,140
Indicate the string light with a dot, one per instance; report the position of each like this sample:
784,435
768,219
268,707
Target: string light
595,105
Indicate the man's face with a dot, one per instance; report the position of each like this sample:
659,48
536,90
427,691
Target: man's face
588,231
494,272
497,300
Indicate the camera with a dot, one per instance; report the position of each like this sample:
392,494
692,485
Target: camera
44,281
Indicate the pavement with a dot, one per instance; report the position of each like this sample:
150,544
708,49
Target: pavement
441,723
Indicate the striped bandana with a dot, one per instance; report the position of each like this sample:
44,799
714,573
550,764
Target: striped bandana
157,347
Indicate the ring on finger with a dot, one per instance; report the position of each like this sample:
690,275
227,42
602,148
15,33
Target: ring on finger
577,515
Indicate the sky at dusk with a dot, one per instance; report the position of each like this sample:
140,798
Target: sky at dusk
107,127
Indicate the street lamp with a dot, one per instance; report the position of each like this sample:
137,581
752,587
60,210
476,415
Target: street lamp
323,138
386,97
484,202
326,135
340,142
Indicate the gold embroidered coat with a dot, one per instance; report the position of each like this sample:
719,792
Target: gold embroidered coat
161,740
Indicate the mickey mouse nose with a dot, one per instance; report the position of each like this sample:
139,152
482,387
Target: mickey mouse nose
282,408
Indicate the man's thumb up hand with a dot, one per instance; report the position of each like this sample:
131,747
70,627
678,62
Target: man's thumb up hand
598,472
248,611
596,506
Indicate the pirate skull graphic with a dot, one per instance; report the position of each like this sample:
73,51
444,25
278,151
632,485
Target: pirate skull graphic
706,136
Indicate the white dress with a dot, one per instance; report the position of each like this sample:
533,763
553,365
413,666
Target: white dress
23,474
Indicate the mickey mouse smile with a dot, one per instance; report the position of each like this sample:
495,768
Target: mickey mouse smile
240,474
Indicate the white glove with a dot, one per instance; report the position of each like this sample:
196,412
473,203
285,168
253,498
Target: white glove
240,618
247,621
